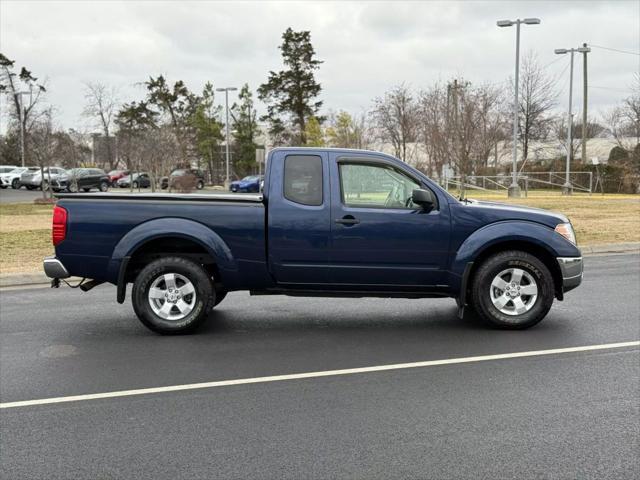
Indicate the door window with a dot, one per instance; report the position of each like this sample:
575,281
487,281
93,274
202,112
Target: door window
375,186
303,179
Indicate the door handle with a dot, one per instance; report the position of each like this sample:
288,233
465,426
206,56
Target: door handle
347,220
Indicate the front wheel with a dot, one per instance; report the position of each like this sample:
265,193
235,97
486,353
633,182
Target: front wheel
512,290
173,295
200,185
15,184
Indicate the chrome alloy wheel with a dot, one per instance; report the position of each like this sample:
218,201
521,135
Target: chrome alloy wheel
513,291
172,296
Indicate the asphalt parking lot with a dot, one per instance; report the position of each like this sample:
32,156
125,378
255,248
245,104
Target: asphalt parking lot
564,415
22,195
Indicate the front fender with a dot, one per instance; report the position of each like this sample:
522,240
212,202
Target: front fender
175,227
508,231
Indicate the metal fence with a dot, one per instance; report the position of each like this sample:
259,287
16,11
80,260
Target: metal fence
580,181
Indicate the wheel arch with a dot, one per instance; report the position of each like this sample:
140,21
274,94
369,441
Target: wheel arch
536,239
177,236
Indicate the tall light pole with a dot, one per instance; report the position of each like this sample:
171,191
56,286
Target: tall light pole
567,188
584,104
226,91
514,189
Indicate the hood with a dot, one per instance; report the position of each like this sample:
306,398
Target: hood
502,211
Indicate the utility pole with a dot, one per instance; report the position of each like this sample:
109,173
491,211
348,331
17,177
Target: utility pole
584,103
514,189
226,91
567,187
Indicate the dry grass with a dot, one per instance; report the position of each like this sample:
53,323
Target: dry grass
22,251
25,230
596,218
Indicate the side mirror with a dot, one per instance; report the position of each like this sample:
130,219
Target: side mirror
425,198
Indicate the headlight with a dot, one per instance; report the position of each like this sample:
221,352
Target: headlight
566,230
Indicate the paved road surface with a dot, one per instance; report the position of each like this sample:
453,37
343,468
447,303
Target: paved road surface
9,195
563,416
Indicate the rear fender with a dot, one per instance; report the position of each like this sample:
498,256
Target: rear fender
175,227
503,232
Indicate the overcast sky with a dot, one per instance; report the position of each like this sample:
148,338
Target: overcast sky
367,47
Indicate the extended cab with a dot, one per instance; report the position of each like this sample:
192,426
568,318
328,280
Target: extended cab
330,222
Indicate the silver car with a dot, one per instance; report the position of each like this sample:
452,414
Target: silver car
33,180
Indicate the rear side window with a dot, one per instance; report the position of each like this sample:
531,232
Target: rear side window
303,179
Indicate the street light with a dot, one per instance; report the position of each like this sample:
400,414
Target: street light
566,188
226,91
514,189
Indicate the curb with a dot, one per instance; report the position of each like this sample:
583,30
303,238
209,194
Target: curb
40,279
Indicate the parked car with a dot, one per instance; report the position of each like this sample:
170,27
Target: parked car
330,223
12,178
3,170
141,180
81,179
179,174
249,184
115,175
34,179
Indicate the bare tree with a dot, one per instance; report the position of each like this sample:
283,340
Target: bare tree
536,100
42,143
396,119
346,131
102,107
25,95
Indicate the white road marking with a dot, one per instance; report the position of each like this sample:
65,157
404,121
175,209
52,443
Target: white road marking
326,373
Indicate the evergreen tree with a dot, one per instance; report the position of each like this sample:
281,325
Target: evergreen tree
314,133
208,128
292,92
245,128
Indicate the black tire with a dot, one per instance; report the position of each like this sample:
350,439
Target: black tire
15,184
86,189
481,290
104,186
195,273
3,186
200,185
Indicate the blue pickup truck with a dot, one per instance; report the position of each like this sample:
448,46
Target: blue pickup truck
330,222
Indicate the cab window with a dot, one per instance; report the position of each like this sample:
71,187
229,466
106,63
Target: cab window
303,179
375,186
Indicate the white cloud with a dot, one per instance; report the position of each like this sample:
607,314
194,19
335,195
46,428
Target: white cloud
366,46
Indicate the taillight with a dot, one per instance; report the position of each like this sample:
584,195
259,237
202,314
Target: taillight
59,230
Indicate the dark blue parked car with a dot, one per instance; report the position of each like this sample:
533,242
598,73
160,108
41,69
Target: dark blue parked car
330,223
250,184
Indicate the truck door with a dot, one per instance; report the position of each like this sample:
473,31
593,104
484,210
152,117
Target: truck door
379,238
298,217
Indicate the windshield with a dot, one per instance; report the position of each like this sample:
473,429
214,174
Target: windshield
250,178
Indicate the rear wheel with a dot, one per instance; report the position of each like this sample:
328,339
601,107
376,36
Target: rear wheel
173,295
512,290
200,185
104,186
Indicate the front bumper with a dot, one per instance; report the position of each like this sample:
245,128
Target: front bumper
53,268
572,270
5,181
